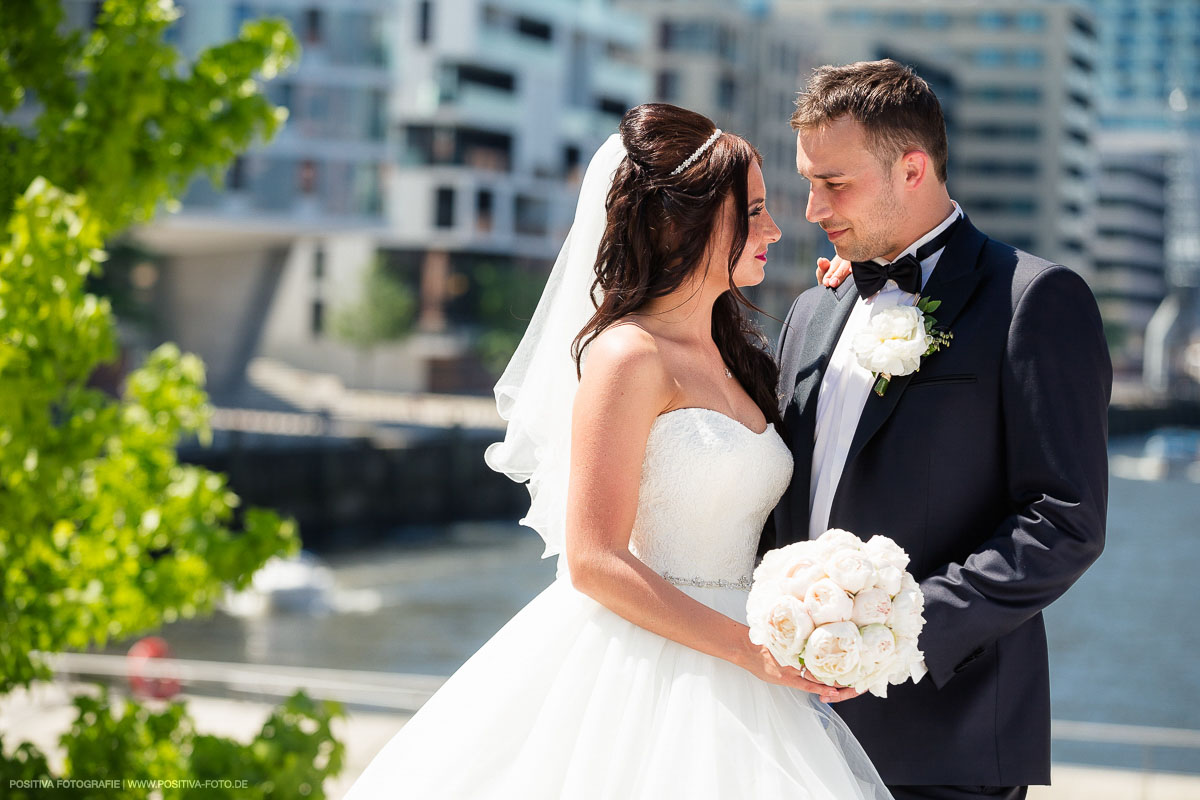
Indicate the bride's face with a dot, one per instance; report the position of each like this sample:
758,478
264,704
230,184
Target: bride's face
751,266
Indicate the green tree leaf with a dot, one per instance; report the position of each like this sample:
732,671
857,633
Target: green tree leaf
103,534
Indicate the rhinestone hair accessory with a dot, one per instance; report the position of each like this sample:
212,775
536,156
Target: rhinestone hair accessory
699,152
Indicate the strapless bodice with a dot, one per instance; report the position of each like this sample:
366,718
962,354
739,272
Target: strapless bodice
708,484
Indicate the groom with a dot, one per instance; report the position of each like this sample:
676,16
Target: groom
988,465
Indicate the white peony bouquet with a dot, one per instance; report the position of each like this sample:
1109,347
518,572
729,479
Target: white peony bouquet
845,610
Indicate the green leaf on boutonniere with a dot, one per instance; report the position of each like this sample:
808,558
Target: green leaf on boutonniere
938,338
881,385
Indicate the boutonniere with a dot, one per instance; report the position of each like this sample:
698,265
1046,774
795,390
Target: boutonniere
897,338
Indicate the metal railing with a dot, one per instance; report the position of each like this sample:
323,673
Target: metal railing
403,692
377,690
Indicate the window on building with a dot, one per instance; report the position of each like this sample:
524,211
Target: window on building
571,157
308,176
611,105
483,149
1137,234
1072,209
312,25
425,144
1031,20
1029,58
1082,63
666,36
237,174
1079,99
1017,206
1079,136
483,210
242,13
377,116
667,85
990,57
532,216
998,130
726,93
534,29
1030,95
319,263
285,91
425,21
938,20
443,212
726,43
485,76
621,52
318,318
1074,171
1024,168
994,20
1154,175
1084,26
698,36
858,17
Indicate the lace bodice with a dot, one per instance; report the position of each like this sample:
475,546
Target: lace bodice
708,484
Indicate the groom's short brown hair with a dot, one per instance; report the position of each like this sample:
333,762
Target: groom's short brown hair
895,105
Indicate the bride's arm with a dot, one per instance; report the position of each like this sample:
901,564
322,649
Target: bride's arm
623,389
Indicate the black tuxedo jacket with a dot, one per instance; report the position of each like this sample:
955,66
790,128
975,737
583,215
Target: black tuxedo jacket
989,466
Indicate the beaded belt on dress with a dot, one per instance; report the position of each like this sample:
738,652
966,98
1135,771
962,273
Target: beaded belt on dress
708,583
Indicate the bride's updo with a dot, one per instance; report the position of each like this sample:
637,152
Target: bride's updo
659,228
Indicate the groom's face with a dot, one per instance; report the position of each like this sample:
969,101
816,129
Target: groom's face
852,195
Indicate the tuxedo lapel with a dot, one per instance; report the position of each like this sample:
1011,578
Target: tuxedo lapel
953,282
820,337
800,417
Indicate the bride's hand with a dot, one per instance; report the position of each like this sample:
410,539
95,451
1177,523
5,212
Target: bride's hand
832,273
763,665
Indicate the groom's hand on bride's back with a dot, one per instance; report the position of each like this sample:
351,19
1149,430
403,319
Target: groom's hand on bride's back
831,273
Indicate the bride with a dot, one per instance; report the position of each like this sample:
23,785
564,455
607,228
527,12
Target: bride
642,411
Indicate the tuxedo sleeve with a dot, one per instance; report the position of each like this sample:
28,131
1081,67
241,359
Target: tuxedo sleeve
1056,382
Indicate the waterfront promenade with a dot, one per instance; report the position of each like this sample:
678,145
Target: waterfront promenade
42,713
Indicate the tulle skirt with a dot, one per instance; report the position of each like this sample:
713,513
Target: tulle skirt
570,701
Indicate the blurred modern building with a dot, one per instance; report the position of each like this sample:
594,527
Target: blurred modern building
732,62
1017,82
1151,48
1148,270
1131,235
438,140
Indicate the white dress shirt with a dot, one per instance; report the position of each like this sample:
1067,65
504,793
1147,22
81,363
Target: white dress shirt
844,391
847,385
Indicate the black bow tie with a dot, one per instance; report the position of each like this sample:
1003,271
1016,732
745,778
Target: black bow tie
870,276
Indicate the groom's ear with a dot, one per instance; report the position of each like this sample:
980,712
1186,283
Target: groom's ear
916,168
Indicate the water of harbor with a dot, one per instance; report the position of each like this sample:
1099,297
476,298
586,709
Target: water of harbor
1124,641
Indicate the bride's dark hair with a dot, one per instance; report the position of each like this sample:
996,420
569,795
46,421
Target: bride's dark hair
658,232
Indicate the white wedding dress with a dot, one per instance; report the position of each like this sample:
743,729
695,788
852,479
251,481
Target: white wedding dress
570,701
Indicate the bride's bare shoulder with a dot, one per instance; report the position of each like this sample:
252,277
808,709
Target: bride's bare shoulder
626,354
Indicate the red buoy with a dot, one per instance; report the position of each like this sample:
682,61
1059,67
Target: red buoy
138,657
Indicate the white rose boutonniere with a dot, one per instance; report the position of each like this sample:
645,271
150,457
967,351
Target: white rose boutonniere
896,339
